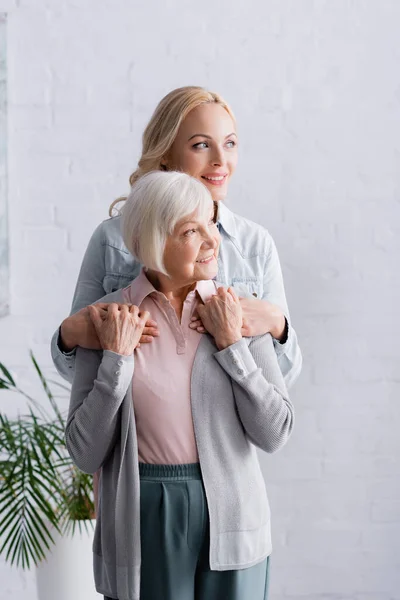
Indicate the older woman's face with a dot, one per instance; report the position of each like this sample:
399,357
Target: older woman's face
191,251
206,148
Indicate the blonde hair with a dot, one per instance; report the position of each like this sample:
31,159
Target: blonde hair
163,127
157,201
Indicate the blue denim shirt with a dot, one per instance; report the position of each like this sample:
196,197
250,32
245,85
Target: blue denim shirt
248,260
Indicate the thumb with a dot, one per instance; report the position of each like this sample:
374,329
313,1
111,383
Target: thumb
200,310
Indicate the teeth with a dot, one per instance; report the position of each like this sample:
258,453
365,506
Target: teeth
215,178
205,259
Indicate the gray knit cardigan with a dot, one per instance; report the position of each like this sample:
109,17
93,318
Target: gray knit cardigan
239,401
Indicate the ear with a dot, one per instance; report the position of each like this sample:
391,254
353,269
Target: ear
164,163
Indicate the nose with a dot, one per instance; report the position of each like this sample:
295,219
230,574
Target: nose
218,156
212,239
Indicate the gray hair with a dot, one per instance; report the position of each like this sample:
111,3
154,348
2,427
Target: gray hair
157,201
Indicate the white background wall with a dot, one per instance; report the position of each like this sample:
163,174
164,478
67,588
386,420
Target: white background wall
315,85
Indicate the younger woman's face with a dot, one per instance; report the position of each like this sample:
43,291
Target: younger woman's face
206,148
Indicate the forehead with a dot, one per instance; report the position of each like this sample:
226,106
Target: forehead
211,119
198,214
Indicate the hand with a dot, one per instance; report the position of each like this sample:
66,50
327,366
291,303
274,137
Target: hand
119,327
259,317
222,317
78,330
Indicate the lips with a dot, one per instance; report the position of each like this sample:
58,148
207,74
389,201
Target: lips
206,260
216,178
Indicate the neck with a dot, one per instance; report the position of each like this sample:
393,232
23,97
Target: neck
175,291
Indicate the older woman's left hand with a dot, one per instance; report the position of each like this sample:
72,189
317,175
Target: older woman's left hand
222,317
259,317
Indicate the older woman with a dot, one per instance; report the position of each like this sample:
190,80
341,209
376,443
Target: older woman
194,131
183,512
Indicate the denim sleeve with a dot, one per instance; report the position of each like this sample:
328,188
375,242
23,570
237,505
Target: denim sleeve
288,353
89,288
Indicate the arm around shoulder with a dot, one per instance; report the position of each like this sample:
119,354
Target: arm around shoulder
89,288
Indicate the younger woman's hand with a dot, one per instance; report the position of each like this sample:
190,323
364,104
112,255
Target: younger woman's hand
222,317
119,326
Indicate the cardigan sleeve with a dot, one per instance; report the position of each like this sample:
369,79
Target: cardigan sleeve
99,387
260,392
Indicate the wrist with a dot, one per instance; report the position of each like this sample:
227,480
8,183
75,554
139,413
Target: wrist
66,339
224,342
279,332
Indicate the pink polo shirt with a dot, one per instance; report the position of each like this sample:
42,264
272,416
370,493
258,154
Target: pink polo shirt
161,380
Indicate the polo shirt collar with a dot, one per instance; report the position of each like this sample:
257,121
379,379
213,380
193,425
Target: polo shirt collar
141,287
226,219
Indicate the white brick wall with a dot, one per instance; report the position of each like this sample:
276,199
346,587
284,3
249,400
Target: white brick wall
315,87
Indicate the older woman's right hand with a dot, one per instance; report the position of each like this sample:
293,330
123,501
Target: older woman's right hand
222,317
78,330
119,326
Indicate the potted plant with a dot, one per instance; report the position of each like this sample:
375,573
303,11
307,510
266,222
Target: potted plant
46,503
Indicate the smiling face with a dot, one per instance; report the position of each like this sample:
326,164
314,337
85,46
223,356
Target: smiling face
206,148
191,251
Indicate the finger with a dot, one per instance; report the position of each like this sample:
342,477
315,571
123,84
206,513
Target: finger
222,292
134,312
103,305
201,329
95,316
151,323
153,331
112,309
146,339
200,310
195,324
144,316
124,309
232,292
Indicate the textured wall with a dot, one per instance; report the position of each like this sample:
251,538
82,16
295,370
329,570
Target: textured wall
315,86
4,270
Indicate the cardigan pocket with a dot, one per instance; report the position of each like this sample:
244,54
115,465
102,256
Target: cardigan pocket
241,549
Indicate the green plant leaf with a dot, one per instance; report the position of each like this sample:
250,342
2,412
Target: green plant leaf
47,389
7,374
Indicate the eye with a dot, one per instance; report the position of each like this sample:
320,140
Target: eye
189,232
200,145
231,144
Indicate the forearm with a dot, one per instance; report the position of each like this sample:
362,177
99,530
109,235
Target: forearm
289,356
91,428
263,317
64,363
261,398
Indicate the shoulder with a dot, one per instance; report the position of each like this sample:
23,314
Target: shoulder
252,237
117,296
108,233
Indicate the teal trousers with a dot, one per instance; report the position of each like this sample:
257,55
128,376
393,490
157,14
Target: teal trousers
175,541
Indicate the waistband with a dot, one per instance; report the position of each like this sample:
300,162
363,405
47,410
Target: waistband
170,472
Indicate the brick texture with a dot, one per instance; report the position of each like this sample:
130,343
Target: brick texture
315,88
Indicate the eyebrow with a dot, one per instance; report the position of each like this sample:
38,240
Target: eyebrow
208,136
194,222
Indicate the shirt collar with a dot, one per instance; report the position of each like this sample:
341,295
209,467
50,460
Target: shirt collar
141,287
226,219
